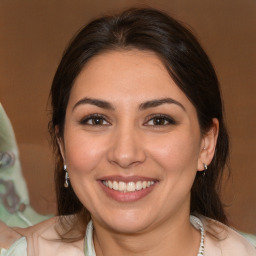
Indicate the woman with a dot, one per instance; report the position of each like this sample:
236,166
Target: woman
141,145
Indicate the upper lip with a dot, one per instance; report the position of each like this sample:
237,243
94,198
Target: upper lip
126,178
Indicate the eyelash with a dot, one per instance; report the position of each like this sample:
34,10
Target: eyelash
167,120
85,121
104,121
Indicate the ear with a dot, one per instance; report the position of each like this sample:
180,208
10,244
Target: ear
208,145
60,143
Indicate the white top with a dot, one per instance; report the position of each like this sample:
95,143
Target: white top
19,248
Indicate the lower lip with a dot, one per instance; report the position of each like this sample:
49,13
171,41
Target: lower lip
126,196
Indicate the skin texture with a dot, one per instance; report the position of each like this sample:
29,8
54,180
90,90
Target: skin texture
131,140
7,236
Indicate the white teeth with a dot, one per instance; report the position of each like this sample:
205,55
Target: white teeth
138,185
121,186
115,185
110,185
128,187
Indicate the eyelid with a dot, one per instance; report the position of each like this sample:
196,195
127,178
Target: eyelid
168,118
84,120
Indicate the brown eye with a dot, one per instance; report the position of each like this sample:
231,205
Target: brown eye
94,120
160,120
97,121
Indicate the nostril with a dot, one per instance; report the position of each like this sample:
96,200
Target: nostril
127,160
126,149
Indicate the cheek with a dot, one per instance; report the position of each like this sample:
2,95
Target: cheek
176,157
176,153
83,153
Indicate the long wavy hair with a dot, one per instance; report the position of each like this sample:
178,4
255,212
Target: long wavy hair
187,64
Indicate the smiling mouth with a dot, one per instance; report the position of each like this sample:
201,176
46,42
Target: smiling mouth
127,187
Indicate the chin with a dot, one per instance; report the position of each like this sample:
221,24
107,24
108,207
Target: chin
128,223
128,228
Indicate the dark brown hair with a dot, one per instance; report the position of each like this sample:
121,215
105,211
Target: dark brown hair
187,64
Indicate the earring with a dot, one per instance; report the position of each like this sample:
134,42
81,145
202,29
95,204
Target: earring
66,176
205,168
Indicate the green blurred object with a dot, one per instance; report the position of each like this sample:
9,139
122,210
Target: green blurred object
15,209
251,238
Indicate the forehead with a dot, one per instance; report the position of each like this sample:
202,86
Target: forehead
132,75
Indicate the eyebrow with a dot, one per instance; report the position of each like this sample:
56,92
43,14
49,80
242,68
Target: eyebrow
143,106
95,102
158,102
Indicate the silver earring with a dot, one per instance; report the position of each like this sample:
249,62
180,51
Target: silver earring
205,168
66,176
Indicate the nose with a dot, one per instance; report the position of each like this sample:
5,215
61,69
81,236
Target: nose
126,148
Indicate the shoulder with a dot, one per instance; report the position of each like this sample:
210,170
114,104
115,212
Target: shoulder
7,236
18,248
11,242
43,239
222,240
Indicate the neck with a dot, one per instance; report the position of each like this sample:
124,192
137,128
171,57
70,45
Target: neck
167,238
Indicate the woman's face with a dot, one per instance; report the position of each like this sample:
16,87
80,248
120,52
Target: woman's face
132,142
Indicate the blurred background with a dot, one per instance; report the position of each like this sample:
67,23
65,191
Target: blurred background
33,35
